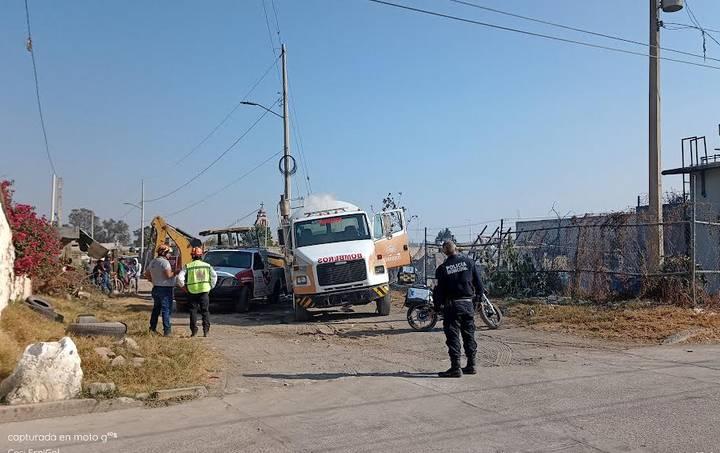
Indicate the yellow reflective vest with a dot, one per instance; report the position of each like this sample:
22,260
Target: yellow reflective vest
198,278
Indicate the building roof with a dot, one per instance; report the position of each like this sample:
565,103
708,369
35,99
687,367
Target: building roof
692,169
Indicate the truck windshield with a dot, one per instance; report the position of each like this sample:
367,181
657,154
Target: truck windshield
229,258
343,228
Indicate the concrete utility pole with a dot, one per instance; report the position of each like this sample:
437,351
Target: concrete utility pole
142,222
52,199
655,248
656,243
285,202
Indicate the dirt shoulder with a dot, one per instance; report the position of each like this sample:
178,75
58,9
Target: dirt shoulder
636,322
171,362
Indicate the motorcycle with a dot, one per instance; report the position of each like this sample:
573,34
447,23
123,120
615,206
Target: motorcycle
421,314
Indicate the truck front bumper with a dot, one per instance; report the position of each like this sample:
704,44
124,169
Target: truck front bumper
360,296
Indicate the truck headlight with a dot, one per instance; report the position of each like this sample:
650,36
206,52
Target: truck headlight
301,280
379,269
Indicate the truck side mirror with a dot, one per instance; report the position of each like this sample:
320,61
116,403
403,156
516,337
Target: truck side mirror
281,236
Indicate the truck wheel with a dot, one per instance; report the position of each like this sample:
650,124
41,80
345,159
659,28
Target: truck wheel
301,313
383,305
242,303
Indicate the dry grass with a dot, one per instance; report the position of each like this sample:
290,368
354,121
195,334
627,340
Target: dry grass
630,323
169,362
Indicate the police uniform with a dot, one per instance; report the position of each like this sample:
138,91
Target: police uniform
458,281
199,278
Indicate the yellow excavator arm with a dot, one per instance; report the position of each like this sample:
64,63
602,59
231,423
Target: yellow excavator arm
162,231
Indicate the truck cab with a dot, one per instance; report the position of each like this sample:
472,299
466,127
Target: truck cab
341,257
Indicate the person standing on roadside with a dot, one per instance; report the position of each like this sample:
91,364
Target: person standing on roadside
458,282
161,275
198,278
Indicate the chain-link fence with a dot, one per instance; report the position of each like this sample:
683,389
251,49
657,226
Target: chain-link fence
599,257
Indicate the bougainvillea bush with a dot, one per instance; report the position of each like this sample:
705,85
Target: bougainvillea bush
37,244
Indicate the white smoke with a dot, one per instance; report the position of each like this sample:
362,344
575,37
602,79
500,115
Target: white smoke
322,202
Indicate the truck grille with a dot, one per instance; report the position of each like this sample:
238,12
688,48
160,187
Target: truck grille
341,272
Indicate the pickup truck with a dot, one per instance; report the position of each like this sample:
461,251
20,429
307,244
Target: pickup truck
244,277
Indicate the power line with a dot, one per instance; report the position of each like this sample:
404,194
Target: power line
227,117
695,21
29,47
277,23
537,35
679,26
267,23
227,150
234,181
243,217
576,29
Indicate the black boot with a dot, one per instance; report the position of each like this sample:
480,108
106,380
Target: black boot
453,372
206,332
470,368
193,333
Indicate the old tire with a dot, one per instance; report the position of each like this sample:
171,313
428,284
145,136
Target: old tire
44,308
242,303
384,304
86,319
91,329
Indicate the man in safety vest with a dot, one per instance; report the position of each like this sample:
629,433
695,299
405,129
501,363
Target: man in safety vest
198,278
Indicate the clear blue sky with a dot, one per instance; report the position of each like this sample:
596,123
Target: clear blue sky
469,123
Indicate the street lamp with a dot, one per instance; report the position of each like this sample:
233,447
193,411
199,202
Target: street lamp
655,139
262,107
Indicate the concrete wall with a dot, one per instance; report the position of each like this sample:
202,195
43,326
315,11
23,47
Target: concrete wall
708,236
7,258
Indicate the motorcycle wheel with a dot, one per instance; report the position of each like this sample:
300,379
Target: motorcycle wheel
422,317
490,313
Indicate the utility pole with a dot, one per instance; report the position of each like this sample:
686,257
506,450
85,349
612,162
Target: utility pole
52,199
142,222
654,141
425,258
285,199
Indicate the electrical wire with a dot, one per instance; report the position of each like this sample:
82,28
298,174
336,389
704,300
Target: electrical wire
679,26
537,35
695,21
29,46
576,29
254,211
231,183
227,150
230,113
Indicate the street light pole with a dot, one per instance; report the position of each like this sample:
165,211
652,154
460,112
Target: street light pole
655,141
142,220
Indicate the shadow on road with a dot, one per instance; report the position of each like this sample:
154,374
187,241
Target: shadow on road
332,376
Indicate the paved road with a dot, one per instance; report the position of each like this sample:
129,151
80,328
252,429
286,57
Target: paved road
352,383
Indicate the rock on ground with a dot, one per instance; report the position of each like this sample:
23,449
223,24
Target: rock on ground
100,388
118,361
46,372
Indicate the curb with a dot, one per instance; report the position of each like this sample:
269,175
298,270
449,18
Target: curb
25,412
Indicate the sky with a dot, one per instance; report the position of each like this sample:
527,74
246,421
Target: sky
471,124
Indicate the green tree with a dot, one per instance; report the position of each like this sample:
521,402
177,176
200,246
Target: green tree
444,235
148,237
256,237
82,218
113,231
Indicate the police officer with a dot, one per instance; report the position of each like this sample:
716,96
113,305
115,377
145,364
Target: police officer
198,278
458,281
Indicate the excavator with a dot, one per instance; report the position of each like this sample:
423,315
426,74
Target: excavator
162,232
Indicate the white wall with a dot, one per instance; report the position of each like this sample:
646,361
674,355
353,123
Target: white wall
7,259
